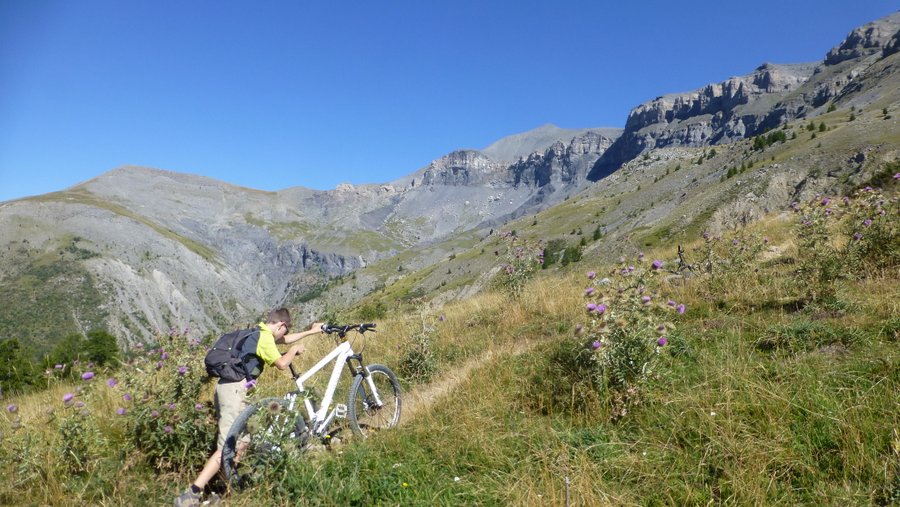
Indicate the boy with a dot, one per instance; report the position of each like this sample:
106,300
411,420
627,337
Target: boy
231,397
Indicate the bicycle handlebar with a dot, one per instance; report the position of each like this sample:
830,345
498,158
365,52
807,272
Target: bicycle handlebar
342,330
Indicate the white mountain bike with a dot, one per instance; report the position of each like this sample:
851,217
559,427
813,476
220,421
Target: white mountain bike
272,431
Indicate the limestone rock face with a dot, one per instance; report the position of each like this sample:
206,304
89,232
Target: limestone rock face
866,40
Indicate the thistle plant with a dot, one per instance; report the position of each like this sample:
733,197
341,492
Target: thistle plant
160,389
522,260
630,321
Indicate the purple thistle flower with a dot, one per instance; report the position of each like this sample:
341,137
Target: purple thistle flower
897,177
640,255
58,367
11,408
735,242
705,235
867,189
656,264
597,344
199,407
671,303
442,318
112,382
182,370
825,201
159,365
154,414
589,291
630,269
867,222
646,300
662,341
79,404
120,411
857,236
591,275
172,406
846,199
164,356
601,309
680,309
126,397
88,375
67,398
661,328
168,429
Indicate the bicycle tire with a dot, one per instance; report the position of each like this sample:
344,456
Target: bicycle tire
363,415
261,441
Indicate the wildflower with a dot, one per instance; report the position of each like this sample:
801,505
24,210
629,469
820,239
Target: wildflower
656,264
825,201
172,406
680,309
199,407
578,328
589,291
662,341
11,408
734,242
58,367
601,309
591,275
661,328
867,222
79,404
182,370
67,398
591,307
159,365
597,344
671,303
112,382
88,375
164,356
154,414
441,318
274,407
646,300
705,235
857,236
167,429
120,411
126,397
897,177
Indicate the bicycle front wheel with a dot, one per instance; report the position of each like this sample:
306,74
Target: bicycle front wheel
367,412
263,440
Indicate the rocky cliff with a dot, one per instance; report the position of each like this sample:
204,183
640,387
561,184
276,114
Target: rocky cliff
742,107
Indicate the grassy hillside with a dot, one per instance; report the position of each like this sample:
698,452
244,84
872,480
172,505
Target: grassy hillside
776,383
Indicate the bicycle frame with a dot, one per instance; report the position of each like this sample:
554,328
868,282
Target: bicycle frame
320,419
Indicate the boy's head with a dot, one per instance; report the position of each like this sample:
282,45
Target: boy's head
279,321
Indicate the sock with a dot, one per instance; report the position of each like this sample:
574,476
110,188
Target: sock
196,490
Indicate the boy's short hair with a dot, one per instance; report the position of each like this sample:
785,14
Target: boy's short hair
279,315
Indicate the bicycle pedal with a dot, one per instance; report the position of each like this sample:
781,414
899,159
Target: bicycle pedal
340,411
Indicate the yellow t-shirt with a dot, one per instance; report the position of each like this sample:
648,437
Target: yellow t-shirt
265,348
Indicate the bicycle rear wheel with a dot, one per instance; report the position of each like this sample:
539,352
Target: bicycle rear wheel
364,413
263,440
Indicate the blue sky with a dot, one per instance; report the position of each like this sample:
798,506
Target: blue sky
275,94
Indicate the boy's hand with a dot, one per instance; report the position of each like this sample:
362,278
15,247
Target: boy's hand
316,326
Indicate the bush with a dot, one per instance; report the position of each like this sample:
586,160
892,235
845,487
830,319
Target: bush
522,260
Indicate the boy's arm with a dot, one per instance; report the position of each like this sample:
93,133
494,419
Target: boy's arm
291,338
285,360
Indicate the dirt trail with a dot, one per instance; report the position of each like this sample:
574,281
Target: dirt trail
422,397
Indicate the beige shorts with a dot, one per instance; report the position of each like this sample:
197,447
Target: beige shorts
231,400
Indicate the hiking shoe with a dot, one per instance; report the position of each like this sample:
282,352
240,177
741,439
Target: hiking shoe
212,499
188,499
